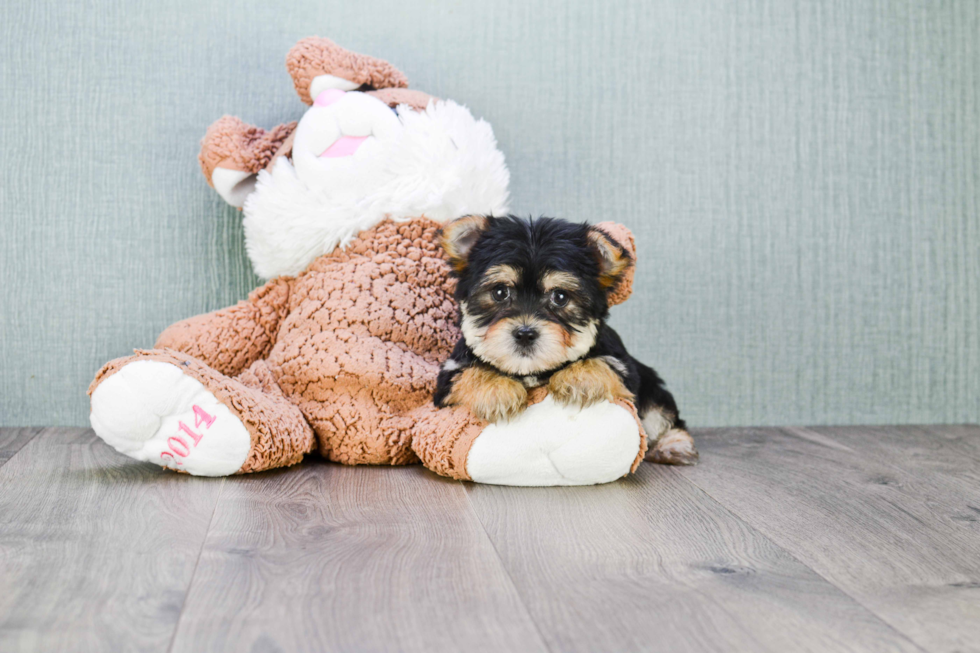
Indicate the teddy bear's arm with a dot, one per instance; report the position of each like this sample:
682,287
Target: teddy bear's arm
231,339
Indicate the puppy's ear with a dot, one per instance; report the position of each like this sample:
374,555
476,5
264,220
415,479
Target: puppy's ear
459,237
612,257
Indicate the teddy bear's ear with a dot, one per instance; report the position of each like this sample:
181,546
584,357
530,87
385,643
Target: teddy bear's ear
317,65
458,238
233,152
614,249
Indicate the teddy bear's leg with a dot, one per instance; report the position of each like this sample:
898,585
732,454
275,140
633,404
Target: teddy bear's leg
171,409
358,392
230,339
442,438
358,426
233,152
548,444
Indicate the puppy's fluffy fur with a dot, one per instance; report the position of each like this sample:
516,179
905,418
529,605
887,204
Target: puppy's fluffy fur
533,298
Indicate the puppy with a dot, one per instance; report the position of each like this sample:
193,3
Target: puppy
533,300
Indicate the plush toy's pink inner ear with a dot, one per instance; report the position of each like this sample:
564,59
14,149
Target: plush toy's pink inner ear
328,97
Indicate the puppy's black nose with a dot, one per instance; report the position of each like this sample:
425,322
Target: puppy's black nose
525,335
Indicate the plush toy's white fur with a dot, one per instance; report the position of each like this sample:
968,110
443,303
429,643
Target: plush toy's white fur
442,164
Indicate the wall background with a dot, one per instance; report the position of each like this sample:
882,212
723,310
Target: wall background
803,179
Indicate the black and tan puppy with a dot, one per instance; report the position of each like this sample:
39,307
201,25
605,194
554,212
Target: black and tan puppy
533,300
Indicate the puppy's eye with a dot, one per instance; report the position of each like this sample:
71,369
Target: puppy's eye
500,293
559,298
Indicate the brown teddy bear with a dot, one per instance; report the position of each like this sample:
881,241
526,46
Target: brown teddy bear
340,350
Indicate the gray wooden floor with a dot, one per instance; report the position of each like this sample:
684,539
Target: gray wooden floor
828,539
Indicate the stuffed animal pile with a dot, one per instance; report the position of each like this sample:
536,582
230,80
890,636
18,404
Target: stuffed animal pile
338,353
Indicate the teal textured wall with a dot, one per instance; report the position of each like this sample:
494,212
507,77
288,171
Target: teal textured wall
803,179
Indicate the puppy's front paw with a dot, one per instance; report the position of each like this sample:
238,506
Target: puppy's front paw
488,395
586,382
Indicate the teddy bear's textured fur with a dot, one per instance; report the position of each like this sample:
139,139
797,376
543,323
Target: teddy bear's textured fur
341,358
354,342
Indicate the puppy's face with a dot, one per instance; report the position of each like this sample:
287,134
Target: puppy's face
532,293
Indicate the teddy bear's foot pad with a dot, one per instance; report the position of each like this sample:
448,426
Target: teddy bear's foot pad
152,411
551,444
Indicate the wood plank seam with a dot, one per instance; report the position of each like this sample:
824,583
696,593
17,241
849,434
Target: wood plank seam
350,525
197,563
23,445
813,435
503,565
748,524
